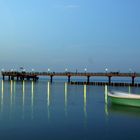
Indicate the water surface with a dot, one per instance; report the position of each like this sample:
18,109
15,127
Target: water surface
41,110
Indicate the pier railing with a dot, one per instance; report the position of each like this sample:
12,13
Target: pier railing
35,75
71,74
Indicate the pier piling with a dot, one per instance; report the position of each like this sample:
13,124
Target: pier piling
69,78
88,79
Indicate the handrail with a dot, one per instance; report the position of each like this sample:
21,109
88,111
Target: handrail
110,74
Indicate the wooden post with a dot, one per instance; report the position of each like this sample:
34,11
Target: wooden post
88,78
9,78
3,77
12,77
17,78
109,80
51,78
69,78
133,80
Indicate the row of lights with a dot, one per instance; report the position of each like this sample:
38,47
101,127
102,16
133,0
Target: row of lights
66,70
12,70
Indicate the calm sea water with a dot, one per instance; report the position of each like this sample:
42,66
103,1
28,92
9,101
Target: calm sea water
41,110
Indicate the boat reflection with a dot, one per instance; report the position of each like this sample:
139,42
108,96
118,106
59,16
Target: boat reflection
124,110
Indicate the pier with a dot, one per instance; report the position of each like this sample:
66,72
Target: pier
35,76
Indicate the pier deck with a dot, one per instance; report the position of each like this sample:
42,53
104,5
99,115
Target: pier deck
35,75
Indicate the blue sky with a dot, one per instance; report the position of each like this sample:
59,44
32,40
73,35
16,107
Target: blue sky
73,34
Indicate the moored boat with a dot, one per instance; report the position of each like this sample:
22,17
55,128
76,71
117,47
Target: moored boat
124,98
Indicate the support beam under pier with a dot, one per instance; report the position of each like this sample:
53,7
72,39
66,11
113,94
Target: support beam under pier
12,78
17,78
109,79
88,79
133,80
9,78
69,79
3,77
51,78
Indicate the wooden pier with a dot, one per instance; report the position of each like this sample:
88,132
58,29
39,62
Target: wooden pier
35,75
19,76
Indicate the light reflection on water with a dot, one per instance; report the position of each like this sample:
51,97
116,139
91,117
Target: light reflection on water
85,102
48,100
2,92
62,111
66,97
23,98
32,100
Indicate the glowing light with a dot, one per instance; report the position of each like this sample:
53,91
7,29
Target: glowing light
85,100
129,89
32,93
106,91
32,99
49,70
14,86
106,109
14,90
106,100
48,99
48,94
2,86
106,70
66,90
66,69
2,93
2,70
23,96
11,96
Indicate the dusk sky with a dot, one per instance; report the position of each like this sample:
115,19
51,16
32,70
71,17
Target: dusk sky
72,34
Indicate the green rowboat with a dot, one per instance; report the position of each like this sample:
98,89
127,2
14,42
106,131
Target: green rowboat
123,98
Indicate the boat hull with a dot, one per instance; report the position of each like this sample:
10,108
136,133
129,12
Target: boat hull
125,101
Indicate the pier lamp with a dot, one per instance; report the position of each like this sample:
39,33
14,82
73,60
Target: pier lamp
85,70
130,70
48,69
66,69
33,70
24,70
2,70
106,70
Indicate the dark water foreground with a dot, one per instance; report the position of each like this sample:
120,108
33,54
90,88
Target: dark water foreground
40,110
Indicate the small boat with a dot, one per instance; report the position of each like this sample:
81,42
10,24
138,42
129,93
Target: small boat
124,98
